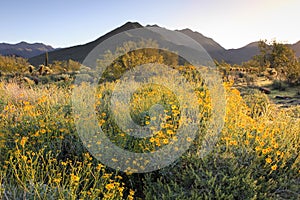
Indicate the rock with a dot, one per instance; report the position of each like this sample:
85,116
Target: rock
283,97
265,90
29,81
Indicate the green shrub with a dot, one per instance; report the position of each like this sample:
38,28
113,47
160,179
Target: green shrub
258,103
213,177
251,160
279,85
13,64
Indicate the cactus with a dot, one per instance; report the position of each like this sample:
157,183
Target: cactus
46,59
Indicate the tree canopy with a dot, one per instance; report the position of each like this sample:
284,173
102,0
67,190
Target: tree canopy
280,57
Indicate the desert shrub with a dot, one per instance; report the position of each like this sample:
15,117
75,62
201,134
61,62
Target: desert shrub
42,157
250,78
39,175
213,177
13,64
294,111
84,77
2,104
45,79
279,85
2,97
251,160
63,66
257,102
73,65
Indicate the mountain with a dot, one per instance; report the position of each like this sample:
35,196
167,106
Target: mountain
296,48
79,52
237,56
232,56
214,49
24,49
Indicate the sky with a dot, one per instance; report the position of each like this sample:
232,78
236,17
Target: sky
231,23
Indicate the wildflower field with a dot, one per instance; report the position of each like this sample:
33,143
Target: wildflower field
256,155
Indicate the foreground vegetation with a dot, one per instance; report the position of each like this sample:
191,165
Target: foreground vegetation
42,157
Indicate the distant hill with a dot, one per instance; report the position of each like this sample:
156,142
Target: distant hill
232,56
214,49
296,48
79,52
237,56
24,49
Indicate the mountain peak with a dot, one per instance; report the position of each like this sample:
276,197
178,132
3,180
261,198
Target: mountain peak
189,31
131,25
154,25
125,27
186,30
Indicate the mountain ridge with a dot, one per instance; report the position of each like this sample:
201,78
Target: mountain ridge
214,49
24,49
79,52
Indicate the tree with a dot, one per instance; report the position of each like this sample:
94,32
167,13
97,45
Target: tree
280,57
264,57
293,73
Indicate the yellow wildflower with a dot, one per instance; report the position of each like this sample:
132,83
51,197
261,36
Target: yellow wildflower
247,142
57,180
173,107
131,192
153,118
165,141
264,151
175,138
99,166
109,186
274,167
151,139
119,177
23,141
170,132
74,178
105,176
24,158
268,160
233,142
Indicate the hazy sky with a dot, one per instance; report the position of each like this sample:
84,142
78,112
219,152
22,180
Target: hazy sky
231,23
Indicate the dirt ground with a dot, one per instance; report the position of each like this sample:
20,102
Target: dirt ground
282,98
